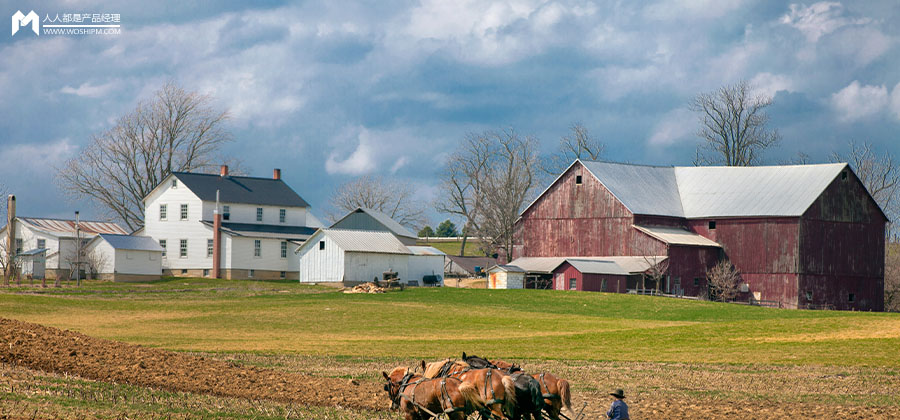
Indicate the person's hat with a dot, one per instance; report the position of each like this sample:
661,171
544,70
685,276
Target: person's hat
618,394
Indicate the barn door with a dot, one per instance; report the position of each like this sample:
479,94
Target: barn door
560,281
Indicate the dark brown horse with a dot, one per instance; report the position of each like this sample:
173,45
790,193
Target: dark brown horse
496,389
529,400
420,398
555,391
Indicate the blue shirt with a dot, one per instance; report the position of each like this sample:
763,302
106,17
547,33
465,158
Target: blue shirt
618,410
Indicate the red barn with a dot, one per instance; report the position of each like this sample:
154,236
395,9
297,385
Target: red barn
803,235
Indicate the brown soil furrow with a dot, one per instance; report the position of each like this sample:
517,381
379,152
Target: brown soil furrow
63,351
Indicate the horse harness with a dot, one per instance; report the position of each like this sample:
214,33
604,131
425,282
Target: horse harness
548,395
444,398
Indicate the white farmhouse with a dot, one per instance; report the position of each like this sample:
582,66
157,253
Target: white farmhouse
125,257
357,256
262,221
58,238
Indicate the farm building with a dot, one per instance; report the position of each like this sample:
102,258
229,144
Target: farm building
57,237
468,266
250,233
803,236
505,276
125,258
372,220
357,256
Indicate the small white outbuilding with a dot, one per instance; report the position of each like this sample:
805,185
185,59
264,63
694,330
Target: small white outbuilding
125,257
506,277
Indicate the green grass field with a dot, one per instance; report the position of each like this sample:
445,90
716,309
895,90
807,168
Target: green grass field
284,317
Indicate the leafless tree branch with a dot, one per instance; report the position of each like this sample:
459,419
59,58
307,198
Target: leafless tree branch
394,198
578,144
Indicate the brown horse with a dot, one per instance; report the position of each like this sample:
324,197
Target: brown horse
555,390
420,398
497,390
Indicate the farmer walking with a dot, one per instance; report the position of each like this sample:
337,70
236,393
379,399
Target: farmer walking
618,410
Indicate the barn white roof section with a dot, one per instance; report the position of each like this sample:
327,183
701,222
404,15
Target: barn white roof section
364,241
676,236
716,191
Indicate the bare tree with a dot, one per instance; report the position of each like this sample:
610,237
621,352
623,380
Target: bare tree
9,272
724,280
657,269
878,172
733,123
892,277
95,262
462,181
176,130
578,144
394,198
510,181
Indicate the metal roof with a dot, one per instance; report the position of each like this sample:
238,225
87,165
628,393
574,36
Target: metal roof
650,190
425,250
134,243
538,264
64,227
258,230
241,189
390,224
507,267
615,265
716,191
753,191
676,236
32,252
366,241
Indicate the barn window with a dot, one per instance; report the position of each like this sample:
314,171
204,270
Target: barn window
321,244
162,244
226,212
696,281
163,211
577,179
184,211
209,248
572,284
42,243
712,225
282,215
844,175
283,249
182,248
809,295
257,248
259,212
851,297
603,285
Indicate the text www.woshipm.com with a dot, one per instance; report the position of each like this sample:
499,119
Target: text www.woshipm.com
82,31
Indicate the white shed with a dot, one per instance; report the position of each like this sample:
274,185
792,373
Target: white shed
125,257
426,261
351,257
506,277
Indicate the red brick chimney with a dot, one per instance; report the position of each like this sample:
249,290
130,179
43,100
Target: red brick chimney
276,173
224,170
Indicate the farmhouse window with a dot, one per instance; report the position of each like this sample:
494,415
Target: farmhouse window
209,248
283,249
183,271
577,179
282,215
572,284
259,212
257,248
712,225
163,211
251,273
174,183
205,272
226,212
182,248
42,243
851,297
321,244
162,244
184,211
282,274
18,245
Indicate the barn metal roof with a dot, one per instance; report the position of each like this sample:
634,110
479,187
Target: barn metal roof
676,236
134,243
63,227
241,189
425,250
366,241
614,265
537,264
385,220
716,191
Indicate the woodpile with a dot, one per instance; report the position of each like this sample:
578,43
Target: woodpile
365,288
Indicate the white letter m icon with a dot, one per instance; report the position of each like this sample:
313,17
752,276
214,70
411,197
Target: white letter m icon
19,20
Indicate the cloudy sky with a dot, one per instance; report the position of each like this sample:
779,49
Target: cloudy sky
328,91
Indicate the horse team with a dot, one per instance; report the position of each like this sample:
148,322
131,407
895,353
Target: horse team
494,389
